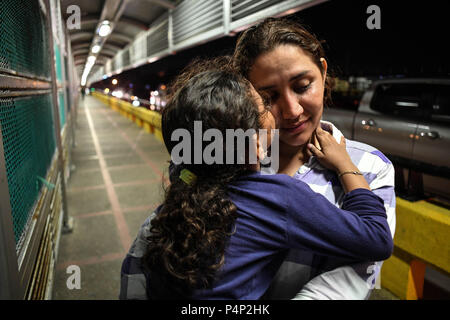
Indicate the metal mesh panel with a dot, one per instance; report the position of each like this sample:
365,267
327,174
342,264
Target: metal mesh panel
29,145
23,45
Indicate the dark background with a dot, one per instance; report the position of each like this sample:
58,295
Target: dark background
413,41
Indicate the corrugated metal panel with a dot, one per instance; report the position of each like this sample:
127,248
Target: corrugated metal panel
138,49
126,58
117,61
243,8
247,12
195,17
157,39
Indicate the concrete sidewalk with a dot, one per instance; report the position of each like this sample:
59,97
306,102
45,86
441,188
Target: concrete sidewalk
116,184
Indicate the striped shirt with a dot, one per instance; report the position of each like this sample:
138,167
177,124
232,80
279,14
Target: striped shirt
306,276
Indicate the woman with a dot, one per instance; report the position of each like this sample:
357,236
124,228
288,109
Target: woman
286,62
224,228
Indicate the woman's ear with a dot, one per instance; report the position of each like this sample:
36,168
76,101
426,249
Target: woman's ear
324,68
260,152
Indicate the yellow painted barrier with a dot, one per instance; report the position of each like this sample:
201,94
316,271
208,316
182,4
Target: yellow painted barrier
149,120
422,238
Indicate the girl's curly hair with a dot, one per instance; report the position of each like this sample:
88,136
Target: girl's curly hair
190,233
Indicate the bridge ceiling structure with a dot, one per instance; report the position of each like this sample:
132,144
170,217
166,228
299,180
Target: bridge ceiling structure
143,31
127,19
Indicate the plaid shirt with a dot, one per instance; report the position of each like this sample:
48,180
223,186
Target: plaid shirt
303,275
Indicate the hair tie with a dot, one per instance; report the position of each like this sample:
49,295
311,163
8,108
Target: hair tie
187,176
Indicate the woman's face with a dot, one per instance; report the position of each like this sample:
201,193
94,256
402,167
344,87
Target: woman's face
296,87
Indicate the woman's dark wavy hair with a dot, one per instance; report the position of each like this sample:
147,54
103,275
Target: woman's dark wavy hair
271,33
189,234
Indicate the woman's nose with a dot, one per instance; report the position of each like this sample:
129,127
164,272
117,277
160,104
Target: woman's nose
290,107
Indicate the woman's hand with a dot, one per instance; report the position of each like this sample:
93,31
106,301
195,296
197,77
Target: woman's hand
331,155
334,156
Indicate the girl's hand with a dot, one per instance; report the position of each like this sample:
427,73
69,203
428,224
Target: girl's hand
331,155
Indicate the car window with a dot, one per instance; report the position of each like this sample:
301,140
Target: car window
345,101
441,105
397,99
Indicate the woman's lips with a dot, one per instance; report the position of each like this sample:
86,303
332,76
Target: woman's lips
296,128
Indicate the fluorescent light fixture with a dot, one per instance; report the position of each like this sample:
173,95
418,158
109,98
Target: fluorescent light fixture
95,49
91,59
104,29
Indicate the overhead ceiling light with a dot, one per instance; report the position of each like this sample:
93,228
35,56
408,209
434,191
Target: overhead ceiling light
95,49
104,29
91,59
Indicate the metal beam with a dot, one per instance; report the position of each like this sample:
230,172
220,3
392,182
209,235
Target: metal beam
13,82
110,46
120,37
110,9
80,35
134,23
81,51
163,3
80,46
93,19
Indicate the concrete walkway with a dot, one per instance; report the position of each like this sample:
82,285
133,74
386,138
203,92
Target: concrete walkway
116,184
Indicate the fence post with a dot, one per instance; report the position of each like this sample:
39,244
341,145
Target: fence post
67,221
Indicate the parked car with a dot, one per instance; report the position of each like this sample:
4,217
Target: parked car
409,121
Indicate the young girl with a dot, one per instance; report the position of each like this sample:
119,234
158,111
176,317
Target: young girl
223,230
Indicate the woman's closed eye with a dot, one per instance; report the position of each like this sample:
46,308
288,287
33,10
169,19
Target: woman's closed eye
301,88
271,96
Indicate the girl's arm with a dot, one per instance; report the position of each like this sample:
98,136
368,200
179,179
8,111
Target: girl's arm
359,231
